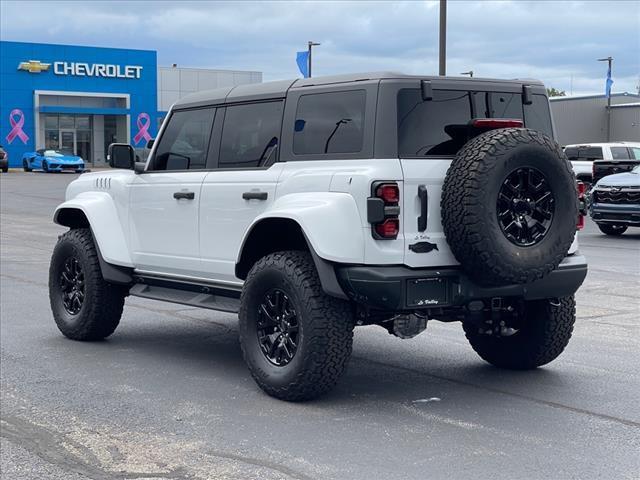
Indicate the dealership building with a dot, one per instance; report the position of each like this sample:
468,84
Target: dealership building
81,99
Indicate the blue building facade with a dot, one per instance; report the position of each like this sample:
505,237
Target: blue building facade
75,98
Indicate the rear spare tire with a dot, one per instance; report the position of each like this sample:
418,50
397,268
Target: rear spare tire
509,206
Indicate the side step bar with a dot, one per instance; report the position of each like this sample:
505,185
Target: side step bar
186,297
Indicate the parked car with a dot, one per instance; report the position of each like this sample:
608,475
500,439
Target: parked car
371,199
4,160
52,161
582,157
615,202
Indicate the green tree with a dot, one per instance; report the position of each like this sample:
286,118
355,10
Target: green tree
552,92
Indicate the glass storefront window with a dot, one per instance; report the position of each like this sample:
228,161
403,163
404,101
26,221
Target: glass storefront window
83,144
51,139
83,122
51,122
67,121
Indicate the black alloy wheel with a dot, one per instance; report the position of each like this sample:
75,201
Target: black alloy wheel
525,207
72,285
278,329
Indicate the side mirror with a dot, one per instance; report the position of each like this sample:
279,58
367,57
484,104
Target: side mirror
121,155
150,143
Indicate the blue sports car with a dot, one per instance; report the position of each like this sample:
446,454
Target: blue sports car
52,161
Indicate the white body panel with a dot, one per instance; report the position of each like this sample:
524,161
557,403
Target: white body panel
137,222
225,216
164,231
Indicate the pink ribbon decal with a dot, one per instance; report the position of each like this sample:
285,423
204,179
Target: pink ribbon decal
16,127
143,128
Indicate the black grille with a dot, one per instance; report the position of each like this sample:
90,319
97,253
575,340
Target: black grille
621,197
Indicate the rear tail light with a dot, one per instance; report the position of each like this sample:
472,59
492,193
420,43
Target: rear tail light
383,210
389,228
389,192
582,205
497,123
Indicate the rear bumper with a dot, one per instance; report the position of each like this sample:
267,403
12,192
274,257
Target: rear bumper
628,214
399,288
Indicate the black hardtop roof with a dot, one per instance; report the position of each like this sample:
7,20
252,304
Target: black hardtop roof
278,89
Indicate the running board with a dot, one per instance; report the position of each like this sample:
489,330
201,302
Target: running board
186,297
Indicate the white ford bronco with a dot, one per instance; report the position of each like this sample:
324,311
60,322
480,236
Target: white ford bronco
311,206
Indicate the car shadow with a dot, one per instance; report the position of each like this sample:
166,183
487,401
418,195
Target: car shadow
212,349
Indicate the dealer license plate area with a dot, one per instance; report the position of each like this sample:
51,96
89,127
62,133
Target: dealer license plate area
427,292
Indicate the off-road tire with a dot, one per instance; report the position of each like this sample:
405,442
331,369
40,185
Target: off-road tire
326,328
103,302
544,335
25,166
469,206
612,229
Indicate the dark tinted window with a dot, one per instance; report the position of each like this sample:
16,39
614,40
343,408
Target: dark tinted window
185,141
250,135
537,115
583,153
434,127
619,153
329,123
440,126
498,105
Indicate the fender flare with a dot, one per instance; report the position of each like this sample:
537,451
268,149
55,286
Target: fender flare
100,211
326,241
330,221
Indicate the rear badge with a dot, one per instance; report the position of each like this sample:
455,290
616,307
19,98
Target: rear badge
423,247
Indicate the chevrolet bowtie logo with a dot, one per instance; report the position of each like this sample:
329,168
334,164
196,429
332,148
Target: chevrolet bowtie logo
34,66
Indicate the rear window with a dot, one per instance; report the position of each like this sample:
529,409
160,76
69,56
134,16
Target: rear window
440,126
583,153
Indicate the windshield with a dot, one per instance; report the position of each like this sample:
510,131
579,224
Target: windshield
440,126
56,153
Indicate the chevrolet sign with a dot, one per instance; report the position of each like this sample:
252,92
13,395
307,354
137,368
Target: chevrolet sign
96,70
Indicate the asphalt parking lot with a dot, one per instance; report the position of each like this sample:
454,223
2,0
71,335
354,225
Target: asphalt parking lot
168,395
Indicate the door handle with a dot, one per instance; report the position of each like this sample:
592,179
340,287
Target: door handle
185,195
255,195
423,195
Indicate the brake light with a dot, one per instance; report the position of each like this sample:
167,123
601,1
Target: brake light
582,205
497,123
383,210
388,192
389,228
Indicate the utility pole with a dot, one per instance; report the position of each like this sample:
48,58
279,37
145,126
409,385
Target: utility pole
311,44
443,38
609,61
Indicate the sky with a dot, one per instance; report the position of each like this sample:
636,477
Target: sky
555,41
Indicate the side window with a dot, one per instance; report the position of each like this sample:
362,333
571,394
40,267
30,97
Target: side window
636,152
250,135
329,123
185,140
619,153
537,115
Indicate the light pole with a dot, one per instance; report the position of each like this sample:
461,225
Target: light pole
609,61
443,38
311,44
470,73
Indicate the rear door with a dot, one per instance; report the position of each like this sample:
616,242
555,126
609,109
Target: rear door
164,200
430,133
243,183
